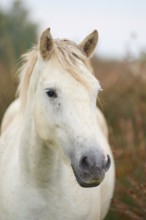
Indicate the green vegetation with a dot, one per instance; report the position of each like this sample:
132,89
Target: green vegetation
17,34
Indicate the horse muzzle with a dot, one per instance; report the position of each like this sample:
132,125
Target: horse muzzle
91,169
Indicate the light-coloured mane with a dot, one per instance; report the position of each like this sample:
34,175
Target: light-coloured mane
66,53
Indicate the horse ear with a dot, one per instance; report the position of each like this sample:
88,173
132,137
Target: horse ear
89,43
46,44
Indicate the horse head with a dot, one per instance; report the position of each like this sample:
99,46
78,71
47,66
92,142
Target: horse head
64,92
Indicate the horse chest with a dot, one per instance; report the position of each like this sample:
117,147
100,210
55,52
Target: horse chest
59,205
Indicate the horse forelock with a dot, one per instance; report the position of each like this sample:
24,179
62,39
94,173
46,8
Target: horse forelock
66,53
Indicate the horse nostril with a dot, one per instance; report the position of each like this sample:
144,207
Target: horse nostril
108,163
84,163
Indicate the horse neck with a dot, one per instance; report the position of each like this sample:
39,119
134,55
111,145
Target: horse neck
38,160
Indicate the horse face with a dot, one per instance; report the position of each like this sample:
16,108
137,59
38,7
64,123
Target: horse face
65,116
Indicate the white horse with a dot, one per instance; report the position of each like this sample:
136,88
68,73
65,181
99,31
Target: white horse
55,159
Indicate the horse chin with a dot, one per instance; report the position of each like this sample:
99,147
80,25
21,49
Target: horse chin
84,183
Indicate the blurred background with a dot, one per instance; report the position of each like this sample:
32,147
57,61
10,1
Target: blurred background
119,64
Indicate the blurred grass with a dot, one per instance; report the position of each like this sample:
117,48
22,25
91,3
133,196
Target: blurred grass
7,88
124,105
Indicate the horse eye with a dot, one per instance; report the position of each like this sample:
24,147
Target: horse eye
51,93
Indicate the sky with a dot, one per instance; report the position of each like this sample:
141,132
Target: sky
121,23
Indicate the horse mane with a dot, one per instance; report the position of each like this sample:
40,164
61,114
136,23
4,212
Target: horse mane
66,53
